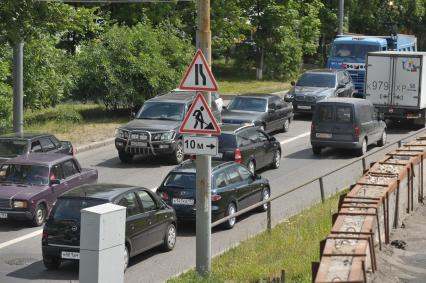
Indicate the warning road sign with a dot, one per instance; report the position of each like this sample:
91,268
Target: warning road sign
199,119
199,76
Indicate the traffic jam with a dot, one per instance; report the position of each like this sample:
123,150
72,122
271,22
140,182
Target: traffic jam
43,184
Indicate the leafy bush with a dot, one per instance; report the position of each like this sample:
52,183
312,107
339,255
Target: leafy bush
63,113
128,65
5,89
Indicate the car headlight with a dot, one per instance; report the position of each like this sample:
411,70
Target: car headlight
20,204
120,133
289,97
321,97
163,136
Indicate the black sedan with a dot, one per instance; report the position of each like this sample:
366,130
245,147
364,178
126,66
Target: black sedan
13,145
269,112
150,222
250,146
233,188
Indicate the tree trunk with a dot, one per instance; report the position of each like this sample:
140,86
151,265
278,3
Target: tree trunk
260,62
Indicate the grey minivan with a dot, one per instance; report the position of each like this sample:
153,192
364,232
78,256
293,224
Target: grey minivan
346,123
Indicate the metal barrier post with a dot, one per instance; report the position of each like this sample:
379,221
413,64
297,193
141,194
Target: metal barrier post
322,189
364,166
268,218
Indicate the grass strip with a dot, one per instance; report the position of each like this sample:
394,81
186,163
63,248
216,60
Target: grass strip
291,246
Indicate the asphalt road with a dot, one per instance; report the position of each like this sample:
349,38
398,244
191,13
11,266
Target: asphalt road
20,249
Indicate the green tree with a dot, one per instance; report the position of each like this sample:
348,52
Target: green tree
5,88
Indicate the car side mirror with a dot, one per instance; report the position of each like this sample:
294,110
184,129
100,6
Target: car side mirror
293,83
55,182
272,139
256,177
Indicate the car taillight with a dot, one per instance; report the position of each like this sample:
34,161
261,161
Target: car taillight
312,127
216,197
237,156
356,131
44,236
164,196
193,157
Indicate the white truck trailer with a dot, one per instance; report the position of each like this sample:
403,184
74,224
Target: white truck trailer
395,84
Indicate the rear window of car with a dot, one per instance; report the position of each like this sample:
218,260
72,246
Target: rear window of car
343,114
227,141
9,147
69,208
337,114
180,180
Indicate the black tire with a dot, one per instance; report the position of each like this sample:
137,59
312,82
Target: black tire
316,150
286,125
276,160
125,157
40,214
382,140
361,151
169,238
266,194
51,263
126,257
251,166
178,156
231,209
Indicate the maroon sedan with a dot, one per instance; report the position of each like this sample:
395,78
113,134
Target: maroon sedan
31,183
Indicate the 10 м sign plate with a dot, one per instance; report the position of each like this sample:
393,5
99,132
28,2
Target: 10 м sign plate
200,145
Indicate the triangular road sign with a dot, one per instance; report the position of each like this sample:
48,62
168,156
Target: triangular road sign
199,76
199,119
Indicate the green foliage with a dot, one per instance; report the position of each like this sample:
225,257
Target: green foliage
60,114
128,65
5,89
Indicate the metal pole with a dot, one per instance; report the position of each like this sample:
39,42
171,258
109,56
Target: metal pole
203,163
18,88
341,16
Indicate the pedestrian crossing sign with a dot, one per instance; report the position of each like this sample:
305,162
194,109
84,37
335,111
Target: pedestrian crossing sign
199,76
199,119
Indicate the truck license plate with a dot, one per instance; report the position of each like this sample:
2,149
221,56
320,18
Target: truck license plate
324,135
3,215
183,201
140,144
70,255
304,107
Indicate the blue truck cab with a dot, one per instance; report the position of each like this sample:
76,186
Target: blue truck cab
350,52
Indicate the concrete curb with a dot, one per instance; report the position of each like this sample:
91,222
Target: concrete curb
94,145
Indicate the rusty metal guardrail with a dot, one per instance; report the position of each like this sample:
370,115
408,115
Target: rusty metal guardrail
317,179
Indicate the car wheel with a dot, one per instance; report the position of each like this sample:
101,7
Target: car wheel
286,125
178,155
125,157
265,196
39,215
251,166
170,238
382,140
276,161
316,150
126,257
51,263
361,151
230,211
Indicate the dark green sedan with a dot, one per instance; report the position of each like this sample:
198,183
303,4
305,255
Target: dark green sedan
234,188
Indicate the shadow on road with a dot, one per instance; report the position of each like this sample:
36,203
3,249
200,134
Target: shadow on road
14,225
138,162
36,271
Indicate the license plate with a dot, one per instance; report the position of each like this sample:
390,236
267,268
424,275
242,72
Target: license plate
70,255
183,201
140,144
324,135
304,107
3,215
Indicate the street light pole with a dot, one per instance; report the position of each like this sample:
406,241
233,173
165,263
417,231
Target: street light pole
203,163
341,16
18,87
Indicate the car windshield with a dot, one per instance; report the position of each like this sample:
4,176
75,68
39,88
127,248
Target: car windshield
317,80
69,208
24,174
348,50
162,111
248,104
11,147
180,180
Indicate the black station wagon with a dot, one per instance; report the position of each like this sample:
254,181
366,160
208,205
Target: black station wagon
346,123
233,188
150,222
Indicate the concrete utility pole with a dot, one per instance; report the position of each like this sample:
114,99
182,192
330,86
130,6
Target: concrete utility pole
341,16
203,163
18,87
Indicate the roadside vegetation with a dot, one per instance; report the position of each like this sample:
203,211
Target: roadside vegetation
291,246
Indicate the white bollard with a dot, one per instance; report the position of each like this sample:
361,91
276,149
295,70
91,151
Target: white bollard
102,237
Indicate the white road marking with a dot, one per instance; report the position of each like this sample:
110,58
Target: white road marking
20,239
295,138
38,232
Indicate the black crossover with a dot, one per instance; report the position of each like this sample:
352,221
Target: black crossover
233,188
150,222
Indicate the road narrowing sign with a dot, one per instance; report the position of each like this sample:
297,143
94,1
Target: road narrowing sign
199,76
200,145
199,119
